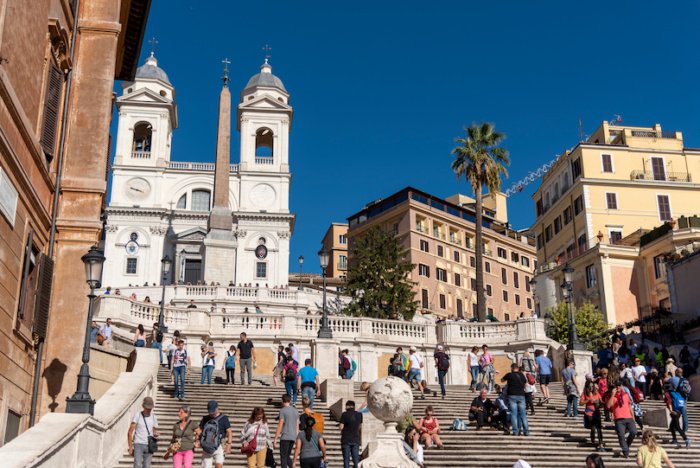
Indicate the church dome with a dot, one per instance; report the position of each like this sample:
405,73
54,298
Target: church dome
265,79
151,71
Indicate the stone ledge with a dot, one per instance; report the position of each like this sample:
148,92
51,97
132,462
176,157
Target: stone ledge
61,439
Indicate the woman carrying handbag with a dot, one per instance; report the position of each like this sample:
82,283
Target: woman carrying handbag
254,436
182,444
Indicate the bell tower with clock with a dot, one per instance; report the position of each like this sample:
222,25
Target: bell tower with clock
264,223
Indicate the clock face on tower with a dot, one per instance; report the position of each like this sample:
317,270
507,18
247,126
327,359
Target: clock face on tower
137,188
262,195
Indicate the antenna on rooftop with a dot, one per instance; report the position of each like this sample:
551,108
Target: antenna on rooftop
617,118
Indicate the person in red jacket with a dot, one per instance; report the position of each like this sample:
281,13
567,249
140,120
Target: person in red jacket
620,405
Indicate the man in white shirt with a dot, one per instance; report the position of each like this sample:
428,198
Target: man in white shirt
295,352
639,373
106,332
143,425
414,370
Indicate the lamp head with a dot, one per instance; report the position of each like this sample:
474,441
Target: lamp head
93,261
568,273
323,257
166,262
301,259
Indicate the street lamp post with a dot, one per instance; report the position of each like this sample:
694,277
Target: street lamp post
567,290
325,330
81,401
165,263
301,264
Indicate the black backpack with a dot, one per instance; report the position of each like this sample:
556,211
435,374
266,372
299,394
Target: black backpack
290,374
443,363
159,336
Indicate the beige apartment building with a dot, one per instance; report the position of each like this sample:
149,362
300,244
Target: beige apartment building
440,237
335,241
597,202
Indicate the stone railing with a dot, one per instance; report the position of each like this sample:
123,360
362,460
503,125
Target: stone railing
75,440
302,326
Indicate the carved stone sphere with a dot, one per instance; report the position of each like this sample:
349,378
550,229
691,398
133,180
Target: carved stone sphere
390,399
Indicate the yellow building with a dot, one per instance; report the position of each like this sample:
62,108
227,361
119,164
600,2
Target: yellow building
594,205
439,235
335,241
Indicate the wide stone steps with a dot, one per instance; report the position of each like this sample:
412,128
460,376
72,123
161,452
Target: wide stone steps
554,441
237,402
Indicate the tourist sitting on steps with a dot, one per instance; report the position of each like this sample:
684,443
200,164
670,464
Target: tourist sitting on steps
481,409
429,429
412,447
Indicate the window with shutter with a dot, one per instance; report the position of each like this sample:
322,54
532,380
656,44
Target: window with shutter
29,285
43,297
664,207
52,101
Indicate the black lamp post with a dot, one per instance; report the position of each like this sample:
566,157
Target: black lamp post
567,292
301,264
325,330
81,401
165,263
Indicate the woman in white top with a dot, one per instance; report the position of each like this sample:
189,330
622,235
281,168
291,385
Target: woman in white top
639,372
473,366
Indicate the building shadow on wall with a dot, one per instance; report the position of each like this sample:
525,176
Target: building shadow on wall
54,374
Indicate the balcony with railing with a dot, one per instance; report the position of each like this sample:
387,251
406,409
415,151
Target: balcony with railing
265,160
141,154
667,176
198,166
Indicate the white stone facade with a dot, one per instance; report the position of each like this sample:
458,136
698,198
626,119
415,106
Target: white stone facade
160,207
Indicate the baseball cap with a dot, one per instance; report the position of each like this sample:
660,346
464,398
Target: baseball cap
212,406
148,403
440,347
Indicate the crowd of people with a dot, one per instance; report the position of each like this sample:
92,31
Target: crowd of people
298,436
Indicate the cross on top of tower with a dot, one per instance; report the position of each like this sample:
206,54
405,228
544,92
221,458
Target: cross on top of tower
226,63
154,43
267,50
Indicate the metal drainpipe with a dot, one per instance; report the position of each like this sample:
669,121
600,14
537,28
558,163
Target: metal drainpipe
54,214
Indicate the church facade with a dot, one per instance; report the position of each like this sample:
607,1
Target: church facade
161,207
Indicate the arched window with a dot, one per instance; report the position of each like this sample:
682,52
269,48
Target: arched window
264,143
201,200
182,202
143,131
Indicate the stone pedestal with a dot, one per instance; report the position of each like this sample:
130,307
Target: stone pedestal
389,400
584,366
371,428
336,392
219,257
324,354
657,417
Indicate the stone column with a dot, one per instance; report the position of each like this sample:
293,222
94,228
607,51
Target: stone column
583,365
220,244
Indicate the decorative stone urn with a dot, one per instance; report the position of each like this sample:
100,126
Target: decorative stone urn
390,400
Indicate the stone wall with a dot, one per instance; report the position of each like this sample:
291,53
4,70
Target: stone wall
106,365
79,440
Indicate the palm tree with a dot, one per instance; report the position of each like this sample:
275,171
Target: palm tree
481,161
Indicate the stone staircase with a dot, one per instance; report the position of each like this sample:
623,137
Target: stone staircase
237,402
554,441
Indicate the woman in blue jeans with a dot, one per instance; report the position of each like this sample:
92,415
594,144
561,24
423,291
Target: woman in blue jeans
516,399
473,366
289,372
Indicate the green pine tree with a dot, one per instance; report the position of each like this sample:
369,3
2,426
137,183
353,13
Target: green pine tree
590,325
379,277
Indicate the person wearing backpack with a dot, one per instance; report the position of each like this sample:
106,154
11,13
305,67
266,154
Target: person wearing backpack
442,363
290,378
676,405
157,341
308,383
143,427
681,385
209,435
180,367
343,364
230,365
571,390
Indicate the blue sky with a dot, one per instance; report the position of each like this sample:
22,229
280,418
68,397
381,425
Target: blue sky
381,89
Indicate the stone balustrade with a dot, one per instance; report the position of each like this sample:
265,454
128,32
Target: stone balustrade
371,341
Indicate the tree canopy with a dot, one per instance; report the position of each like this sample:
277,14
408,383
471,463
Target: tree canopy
379,277
590,325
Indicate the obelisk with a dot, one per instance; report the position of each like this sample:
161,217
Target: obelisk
220,245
